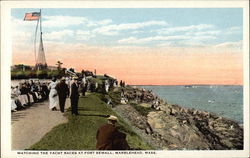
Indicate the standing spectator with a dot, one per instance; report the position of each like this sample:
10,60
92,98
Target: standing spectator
83,88
114,84
53,96
45,90
74,96
63,92
121,83
106,86
96,86
103,87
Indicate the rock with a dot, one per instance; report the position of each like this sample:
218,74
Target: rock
172,146
147,105
174,127
195,112
158,108
148,130
195,130
173,111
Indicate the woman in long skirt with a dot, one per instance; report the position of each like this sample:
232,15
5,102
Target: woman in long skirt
53,96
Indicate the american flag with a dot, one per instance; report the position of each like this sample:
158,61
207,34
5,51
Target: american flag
31,16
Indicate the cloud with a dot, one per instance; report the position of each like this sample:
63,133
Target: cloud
58,35
181,36
214,32
137,32
134,40
62,21
185,28
65,21
17,23
83,35
165,44
22,31
130,40
22,36
203,38
98,23
233,30
231,45
106,32
115,28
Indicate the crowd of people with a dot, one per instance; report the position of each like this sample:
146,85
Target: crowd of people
60,90
108,137
28,92
57,90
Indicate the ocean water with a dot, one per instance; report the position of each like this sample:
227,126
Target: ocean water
225,101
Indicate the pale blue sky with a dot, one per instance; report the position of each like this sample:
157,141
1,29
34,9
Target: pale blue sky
151,27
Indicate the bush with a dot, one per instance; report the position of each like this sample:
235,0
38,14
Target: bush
41,74
53,73
31,74
20,75
142,110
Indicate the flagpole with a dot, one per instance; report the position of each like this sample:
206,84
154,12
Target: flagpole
35,40
41,21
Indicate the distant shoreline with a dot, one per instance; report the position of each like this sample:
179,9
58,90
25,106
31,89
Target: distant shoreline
191,85
155,85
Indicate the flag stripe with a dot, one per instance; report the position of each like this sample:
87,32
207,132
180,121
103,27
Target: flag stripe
31,16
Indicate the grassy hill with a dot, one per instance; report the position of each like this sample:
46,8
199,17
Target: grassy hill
80,131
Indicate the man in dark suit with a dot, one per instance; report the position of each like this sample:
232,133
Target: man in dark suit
74,96
109,138
62,91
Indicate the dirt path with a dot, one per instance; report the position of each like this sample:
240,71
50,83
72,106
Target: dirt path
30,125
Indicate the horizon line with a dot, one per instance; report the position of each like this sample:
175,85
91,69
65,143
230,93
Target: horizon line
190,85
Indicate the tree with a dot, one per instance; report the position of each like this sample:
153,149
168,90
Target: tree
59,65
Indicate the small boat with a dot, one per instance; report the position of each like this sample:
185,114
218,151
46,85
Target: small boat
211,101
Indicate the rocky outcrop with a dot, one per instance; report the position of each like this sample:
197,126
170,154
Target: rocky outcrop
141,126
141,95
194,129
173,127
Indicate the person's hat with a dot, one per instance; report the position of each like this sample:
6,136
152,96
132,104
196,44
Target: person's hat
113,118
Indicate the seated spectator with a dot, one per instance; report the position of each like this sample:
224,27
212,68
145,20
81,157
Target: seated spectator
109,138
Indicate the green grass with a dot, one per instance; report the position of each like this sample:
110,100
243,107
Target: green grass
80,131
142,110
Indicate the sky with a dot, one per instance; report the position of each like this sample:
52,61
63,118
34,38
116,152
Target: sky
142,46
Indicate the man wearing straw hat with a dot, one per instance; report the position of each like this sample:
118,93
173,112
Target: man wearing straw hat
109,138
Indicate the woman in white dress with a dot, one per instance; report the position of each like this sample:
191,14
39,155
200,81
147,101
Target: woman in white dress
53,96
13,96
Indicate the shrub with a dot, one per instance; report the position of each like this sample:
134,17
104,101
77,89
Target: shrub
41,74
142,110
20,75
52,73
